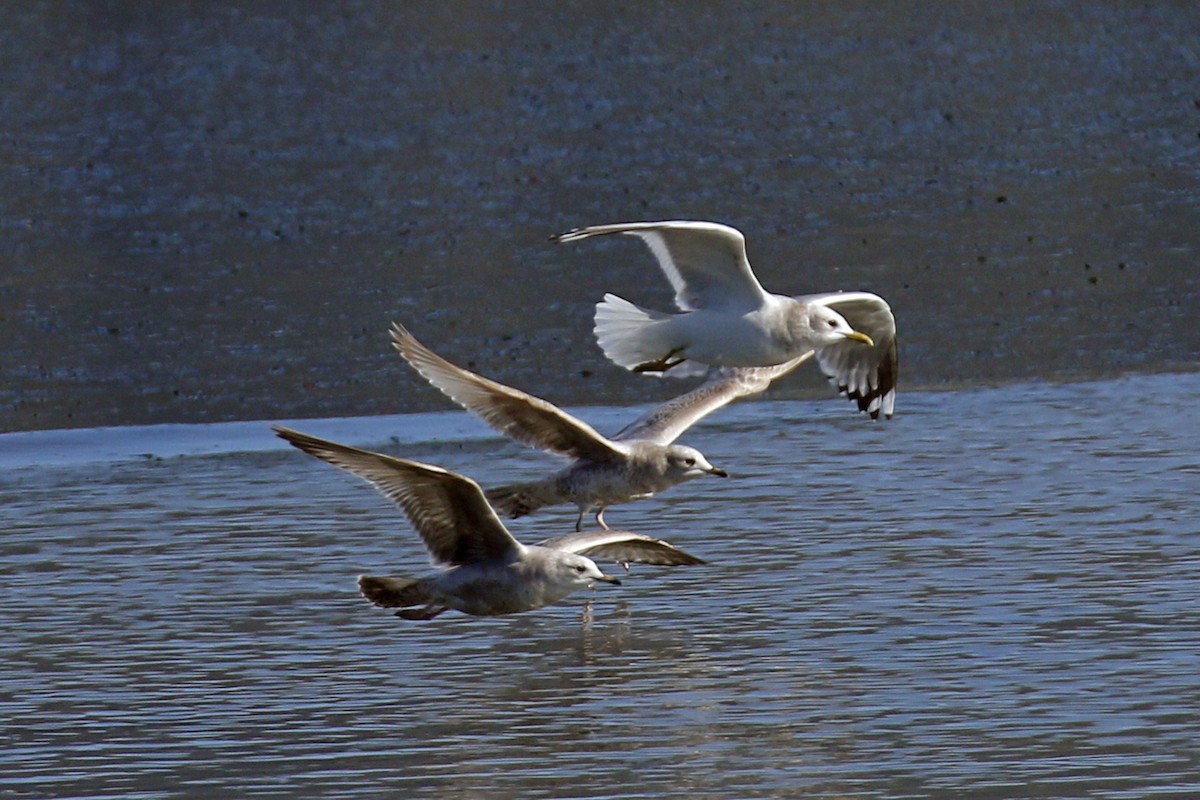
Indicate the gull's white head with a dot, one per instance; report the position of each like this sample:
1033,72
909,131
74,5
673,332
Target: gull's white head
826,327
575,570
685,463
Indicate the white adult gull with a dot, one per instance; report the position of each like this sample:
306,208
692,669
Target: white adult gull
488,572
638,462
728,318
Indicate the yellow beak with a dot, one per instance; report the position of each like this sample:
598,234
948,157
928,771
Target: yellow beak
861,337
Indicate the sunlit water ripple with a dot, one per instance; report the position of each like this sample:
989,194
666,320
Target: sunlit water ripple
993,595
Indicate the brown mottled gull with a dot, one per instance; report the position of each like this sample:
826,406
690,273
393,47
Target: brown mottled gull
638,462
488,571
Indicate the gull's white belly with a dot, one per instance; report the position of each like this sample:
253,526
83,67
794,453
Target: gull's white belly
757,338
490,589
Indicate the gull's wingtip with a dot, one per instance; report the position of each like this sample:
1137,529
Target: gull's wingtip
568,236
286,433
625,547
400,335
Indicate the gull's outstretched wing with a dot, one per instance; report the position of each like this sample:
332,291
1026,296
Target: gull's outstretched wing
527,419
867,375
705,261
448,510
625,547
666,422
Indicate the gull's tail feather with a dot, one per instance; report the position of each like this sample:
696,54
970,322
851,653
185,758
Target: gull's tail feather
518,499
633,337
394,591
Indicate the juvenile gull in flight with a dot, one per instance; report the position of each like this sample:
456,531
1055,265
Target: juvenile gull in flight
730,320
488,571
638,462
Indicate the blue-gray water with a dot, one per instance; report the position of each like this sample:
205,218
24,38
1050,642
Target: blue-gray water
994,595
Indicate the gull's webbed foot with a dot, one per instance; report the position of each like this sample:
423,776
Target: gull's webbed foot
663,364
426,612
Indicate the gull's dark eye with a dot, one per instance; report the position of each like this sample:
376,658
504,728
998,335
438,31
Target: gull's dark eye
580,568
689,462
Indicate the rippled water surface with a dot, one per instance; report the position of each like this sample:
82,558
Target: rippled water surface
994,595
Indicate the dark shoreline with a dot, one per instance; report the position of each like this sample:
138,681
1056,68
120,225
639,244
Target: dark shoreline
215,214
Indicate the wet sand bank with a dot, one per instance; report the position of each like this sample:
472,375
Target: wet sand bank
214,214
